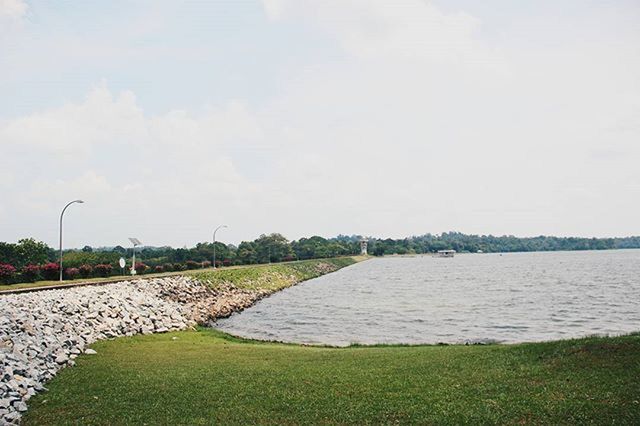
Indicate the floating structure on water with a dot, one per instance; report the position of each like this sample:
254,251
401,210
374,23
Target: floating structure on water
445,253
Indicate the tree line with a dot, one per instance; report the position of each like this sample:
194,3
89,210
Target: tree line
466,243
34,258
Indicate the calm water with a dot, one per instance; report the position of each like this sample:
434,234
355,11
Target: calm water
470,298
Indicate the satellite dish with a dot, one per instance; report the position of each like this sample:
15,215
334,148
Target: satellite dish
122,262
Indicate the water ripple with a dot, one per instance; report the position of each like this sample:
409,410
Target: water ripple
468,299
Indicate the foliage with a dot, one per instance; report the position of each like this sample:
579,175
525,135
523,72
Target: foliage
120,250
78,258
26,251
6,273
193,265
71,273
30,273
429,243
158,269
50,271
103,269
204,376
141,268
85,270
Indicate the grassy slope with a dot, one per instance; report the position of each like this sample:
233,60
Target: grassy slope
206,377
275,276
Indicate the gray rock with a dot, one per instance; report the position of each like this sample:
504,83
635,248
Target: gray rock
62,358
12,417
90,351
42,332
20,406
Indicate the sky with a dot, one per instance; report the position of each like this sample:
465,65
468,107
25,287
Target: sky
318,117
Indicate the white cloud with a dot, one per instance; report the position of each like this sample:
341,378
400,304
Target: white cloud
13,9
152,169
75,129
422,126
403,29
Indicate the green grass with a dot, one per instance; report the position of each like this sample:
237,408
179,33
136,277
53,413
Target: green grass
275,276
206,377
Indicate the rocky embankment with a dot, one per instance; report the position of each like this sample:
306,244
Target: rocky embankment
44,331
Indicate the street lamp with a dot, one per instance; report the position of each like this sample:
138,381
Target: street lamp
214,244
61,215
136,242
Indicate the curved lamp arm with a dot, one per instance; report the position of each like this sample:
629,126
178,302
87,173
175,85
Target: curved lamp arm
61,216
214,244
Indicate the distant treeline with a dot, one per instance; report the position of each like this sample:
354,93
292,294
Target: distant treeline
488,243
34,259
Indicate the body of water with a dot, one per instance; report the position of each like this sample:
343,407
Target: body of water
515,297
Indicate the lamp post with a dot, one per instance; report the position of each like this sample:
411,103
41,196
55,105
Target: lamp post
61,215
136,242
214,244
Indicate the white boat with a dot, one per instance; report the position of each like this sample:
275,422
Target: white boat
445,253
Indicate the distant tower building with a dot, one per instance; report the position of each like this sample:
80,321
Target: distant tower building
363,247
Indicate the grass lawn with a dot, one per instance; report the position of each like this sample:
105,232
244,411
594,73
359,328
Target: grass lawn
275,276
206,377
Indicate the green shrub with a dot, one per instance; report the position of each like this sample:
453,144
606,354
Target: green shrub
103,269
193,265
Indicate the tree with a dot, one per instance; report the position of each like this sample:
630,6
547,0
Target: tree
247,252
273,248
87,249
27,251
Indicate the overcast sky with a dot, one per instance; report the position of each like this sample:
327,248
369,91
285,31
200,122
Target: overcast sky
374,117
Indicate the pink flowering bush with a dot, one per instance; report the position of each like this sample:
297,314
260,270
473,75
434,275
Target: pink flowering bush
50,271
71,273
7,273
141,268
30,273
85,271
